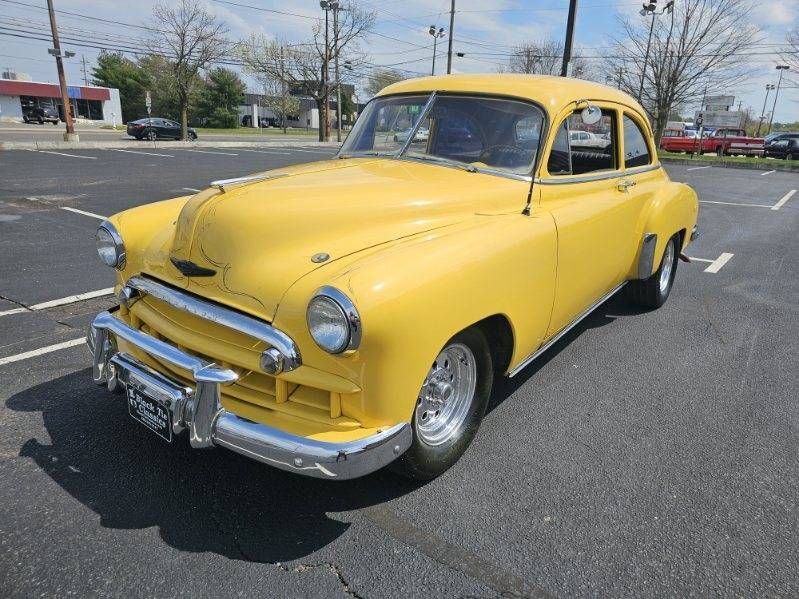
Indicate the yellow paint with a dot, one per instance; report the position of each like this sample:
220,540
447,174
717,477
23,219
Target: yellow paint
423,250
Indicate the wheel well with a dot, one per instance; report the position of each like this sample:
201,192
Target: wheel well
499,335
682,233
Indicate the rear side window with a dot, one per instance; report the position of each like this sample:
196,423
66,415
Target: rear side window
636,151
581,148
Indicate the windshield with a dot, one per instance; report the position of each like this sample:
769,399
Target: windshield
491,134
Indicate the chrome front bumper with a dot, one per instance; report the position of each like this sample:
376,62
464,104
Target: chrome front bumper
198,409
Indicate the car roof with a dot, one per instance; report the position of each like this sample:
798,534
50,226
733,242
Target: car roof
554,93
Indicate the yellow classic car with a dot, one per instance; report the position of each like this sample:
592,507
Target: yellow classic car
335,317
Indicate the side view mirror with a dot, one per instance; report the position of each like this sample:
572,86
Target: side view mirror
590,115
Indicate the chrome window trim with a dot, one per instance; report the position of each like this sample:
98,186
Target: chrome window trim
225,316
524,363
350,312
119,245
425,109
598,176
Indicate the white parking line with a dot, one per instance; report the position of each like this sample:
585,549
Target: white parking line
719,262
145,153
84,213
206,152
42,350
190,189
70,155
767,173
734,204
319,151
266,152
63,301
696,168
783,199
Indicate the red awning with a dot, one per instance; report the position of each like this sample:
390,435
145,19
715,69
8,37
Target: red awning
10,87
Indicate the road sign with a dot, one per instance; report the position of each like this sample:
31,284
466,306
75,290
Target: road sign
148,101
699,119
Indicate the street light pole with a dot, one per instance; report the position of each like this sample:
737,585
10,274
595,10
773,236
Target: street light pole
649,7
780,68
436,34
567,48
451,31
70,134
769,87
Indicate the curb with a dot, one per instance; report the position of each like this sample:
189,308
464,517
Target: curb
779,165
155,145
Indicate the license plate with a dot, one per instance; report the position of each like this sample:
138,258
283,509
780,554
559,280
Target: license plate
150,413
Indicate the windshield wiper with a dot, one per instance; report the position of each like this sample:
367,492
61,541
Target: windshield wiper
444,161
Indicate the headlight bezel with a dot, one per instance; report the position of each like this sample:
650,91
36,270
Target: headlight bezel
350,316
119,246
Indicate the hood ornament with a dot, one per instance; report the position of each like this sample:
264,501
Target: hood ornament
190,269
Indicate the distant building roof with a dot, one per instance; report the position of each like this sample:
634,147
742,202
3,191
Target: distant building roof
11,87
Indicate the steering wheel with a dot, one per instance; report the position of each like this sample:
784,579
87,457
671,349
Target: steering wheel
504,155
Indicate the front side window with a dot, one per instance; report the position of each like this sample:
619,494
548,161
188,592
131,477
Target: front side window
482,133
636,151
580,148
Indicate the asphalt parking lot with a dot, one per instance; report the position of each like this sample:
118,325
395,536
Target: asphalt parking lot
646,454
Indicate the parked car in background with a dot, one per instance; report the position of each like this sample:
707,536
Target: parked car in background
586,139
722,142
422,134
781,135
679,140
157,128
41,115
332,318
784,147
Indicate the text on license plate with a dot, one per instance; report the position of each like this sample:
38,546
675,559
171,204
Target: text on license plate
150,413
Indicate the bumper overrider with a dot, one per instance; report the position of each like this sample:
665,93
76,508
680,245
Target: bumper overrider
197,408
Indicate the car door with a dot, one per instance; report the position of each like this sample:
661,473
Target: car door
171,129
595,215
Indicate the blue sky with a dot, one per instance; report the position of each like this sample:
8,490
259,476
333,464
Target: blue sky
484,31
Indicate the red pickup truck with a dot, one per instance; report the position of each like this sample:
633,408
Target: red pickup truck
721,141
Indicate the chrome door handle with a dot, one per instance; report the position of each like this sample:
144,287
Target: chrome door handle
625,184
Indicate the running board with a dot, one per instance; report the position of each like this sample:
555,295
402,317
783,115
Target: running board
529,359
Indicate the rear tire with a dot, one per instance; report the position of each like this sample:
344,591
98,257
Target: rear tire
654,291
719,151
450,408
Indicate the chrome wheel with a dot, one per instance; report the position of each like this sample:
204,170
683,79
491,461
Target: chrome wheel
666,267
446,394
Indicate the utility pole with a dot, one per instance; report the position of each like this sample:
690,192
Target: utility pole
780,68
451,34
325,4
769,87
85,77
70,134
567,47
335,6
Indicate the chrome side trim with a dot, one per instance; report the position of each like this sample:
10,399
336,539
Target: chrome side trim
599,176
200,410
646,258
224,316
529,359
224,184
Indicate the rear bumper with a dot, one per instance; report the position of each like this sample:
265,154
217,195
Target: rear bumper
198,409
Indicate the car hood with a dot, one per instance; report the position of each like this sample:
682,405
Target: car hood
260,238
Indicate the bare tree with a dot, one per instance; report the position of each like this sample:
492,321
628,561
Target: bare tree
543,58
701,46
791,54
300,66
280,101
380,78
191,39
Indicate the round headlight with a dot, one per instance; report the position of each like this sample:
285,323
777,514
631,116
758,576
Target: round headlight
333,321
109,246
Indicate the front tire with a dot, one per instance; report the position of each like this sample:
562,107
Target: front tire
654,291
450,407
151,135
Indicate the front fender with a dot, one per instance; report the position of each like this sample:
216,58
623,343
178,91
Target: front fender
415,295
